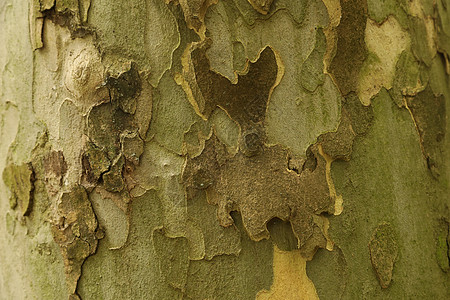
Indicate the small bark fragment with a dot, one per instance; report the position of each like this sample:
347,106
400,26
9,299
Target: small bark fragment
95,163
351,49
194,13
261,6
383,253
126,88
113,179
55,168
20,180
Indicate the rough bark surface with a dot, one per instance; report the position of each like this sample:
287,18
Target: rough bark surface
224,149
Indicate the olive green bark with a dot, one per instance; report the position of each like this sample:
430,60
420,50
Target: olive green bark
224,149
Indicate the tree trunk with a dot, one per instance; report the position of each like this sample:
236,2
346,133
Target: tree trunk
224,149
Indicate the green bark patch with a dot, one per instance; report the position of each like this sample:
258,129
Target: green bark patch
239,58
438,76
156,266
194,138
173,257
207,239
296,123
443,246
429,114
261,6
132,147
351,49
443,24
311,74
409,75
160,169
383,253
145,32
170,103
133,271
387,180
229,276
111,215
76,232
420,45
252,10
20,180
329,272
380,10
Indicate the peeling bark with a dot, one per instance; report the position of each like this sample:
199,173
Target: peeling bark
214,149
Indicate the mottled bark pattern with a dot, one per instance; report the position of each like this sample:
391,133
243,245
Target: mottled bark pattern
224,149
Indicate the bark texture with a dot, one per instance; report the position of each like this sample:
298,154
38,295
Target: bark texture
224,149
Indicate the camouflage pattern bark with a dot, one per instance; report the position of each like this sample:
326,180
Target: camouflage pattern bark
224,149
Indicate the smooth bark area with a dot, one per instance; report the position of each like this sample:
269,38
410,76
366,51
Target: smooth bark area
224,149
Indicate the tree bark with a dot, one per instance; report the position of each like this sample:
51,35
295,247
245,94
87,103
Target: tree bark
224,149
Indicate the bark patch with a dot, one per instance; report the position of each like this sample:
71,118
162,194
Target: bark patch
245,101
76,232
194,13
429,114
351,49
442,245
125,89
95,163
261,6
55,168
71,14
20,180
383,253
257,180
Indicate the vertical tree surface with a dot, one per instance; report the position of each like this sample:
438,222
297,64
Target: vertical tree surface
224,149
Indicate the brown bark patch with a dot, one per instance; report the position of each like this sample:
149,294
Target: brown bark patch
383,253
246,101
76,232
55,168
351,48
